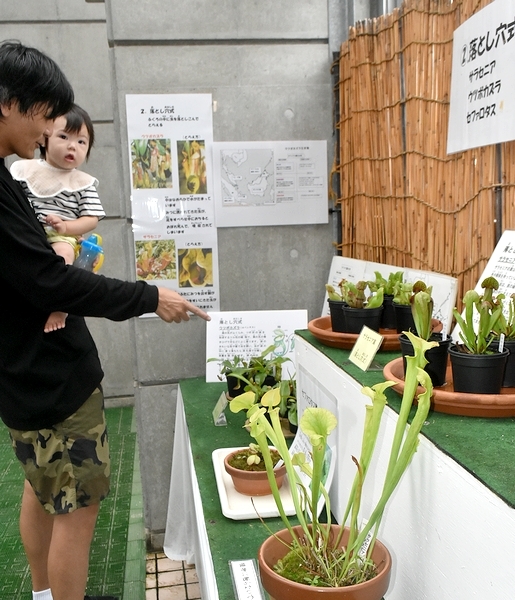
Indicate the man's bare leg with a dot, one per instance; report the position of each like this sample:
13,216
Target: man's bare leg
36,534
65,570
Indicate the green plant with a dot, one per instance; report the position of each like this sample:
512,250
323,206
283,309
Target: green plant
333,294
260,374
506,324
326,562
234,367
388,285
422,309
477,337
288,404
353,294
251,459
402,292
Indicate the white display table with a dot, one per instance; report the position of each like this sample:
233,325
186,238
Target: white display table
450,537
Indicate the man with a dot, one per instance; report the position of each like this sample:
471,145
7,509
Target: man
50,395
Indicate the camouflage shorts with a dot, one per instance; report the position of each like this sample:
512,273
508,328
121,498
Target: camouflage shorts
68,465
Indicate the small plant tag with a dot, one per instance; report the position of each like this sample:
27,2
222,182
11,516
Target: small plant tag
245,580
501,342
366,542
365,348
219,417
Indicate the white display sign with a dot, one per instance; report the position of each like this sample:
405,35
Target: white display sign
270,183
175,240
249,333
482,109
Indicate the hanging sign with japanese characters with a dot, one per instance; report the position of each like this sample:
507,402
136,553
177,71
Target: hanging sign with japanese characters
482,107
175,241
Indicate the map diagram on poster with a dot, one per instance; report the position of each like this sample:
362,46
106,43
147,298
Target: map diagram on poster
247,176
270,183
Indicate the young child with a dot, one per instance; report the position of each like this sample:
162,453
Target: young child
64,199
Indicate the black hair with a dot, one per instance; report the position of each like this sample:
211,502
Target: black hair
32,80
75,119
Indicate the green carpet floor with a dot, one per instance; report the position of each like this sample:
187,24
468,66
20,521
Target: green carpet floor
117,563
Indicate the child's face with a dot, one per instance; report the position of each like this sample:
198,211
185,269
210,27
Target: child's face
65,149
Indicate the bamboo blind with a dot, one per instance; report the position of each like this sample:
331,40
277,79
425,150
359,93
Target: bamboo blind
403,200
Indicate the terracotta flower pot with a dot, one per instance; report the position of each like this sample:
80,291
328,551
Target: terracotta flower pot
252,483
280,588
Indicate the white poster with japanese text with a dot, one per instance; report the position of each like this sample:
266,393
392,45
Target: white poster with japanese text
270,183
246,334
482,107
170,139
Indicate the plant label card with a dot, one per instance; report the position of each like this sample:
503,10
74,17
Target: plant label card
249,333
245,580
365,348
219,417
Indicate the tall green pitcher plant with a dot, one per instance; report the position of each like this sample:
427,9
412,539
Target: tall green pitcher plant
331,565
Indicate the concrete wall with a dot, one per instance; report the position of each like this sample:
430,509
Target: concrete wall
267,64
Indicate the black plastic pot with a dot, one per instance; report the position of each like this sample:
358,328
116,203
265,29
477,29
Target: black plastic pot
337,316
477,373
356,318
404,318
437,357
509,371
388,320
235,386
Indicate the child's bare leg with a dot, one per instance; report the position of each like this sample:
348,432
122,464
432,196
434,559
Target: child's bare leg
57,320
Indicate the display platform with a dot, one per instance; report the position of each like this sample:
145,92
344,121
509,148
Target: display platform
450,526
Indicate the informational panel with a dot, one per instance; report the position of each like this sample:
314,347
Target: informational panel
249,333
482,107
444,287
501,266
270,183
175,241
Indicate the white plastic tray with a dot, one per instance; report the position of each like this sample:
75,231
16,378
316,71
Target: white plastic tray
238,506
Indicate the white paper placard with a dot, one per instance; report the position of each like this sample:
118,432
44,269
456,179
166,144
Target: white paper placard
245,580
173,222
444,287
482,109
364,350
249,333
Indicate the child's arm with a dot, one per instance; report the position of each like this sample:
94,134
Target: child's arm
78,226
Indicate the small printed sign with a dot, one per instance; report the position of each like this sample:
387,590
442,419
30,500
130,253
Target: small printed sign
365,348
245,580
219,417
